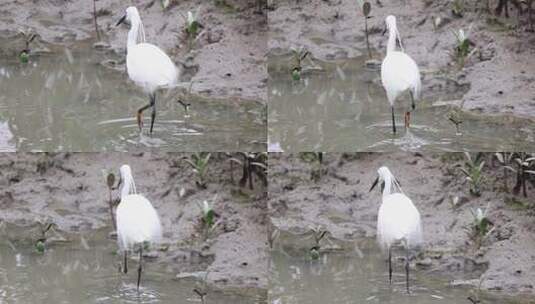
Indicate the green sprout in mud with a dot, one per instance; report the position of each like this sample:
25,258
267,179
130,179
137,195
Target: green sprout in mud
455,116
201,289
481,226
316,159
199,163
473,168
463,48
366,8
207,213
41,240
318,233
253,164
24,55
192,26
165,3
298,55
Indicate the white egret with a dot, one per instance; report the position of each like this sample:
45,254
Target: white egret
137,221
398,221
147,65
399,72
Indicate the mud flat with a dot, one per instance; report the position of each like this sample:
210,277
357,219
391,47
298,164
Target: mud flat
340,203
69,191
500,76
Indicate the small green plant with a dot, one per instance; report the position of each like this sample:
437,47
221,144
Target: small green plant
473,168
463,49
192,26
318,233
41,240
298,55
208,214
481,226
316,159
24,55
253,164
199,163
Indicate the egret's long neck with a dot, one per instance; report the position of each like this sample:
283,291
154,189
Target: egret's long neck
136,30
128,185
391,185
392,36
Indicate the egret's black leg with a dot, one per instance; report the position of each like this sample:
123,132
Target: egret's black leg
407,270
139,268
140,111
125,264
390,266
393,121
412,101
153,115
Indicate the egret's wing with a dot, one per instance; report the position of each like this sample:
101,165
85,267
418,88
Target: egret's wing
398,219
137,221
399,73
149,66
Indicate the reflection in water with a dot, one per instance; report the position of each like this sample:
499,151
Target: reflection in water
344,108
358,277
89,273
78,101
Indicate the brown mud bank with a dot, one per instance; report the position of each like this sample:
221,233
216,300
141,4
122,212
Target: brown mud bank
340,203
69,190
500,75
227,59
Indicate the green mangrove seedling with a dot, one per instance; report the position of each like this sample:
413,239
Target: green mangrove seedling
199,163
318,234
463,49
473,172
41,240
110,182
24,55
208,214
481,225
299,55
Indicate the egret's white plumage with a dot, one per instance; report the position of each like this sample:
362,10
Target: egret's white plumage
137,220
147,65
399,72
398,220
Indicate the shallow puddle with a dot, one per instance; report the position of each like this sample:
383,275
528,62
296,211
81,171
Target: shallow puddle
80,101
343,107
360,276
88,272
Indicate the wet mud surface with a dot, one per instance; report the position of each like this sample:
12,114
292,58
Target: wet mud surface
340,202
69,190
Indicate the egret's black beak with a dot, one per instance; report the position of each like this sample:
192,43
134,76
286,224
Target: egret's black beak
374,184
384,31
121,20
119,182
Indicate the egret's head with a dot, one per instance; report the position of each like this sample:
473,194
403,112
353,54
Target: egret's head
390,23
130,15
384,177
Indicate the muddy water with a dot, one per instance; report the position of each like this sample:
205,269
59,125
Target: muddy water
88,272
342,107
359,276
83,101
